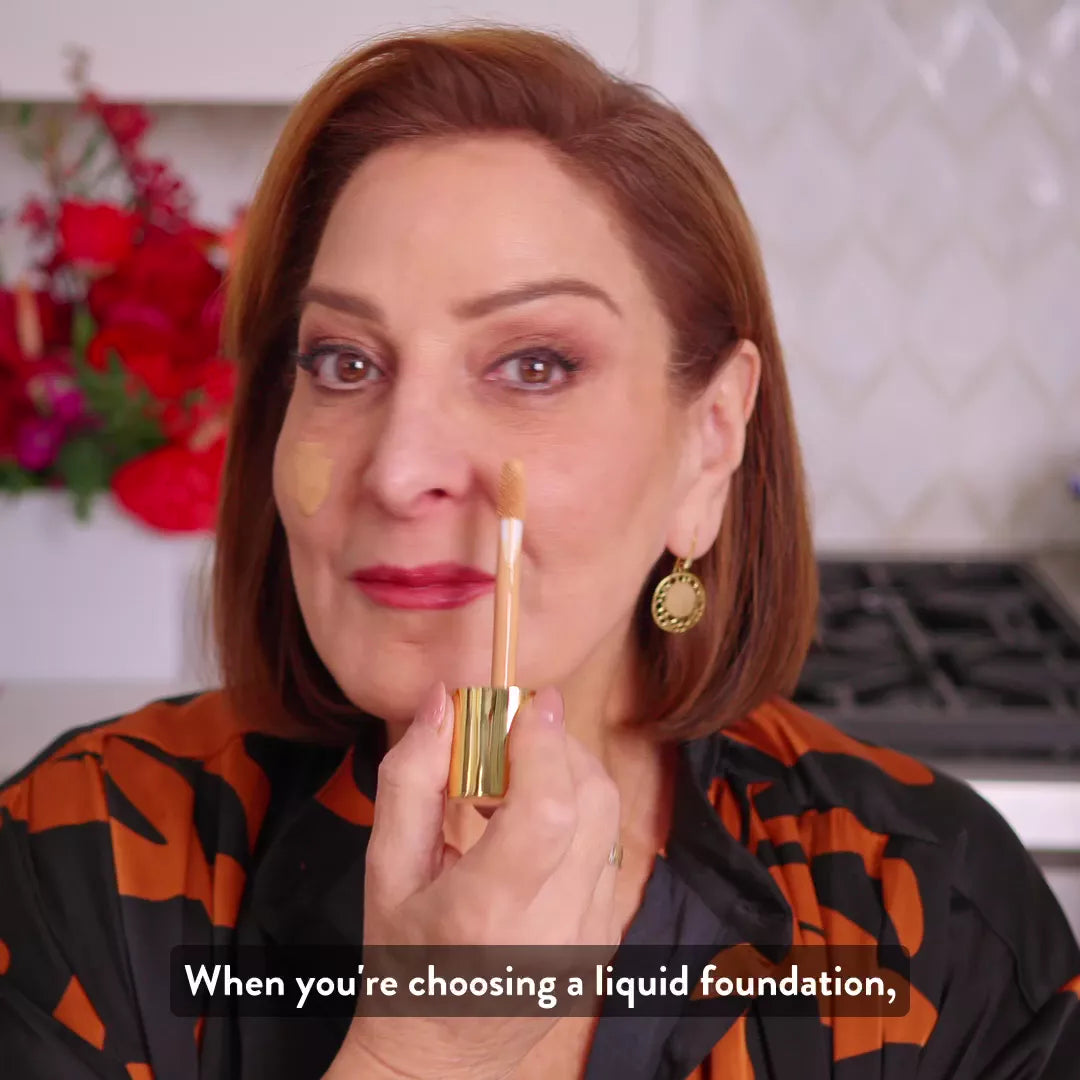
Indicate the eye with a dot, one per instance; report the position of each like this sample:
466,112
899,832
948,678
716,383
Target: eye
538,368
337,367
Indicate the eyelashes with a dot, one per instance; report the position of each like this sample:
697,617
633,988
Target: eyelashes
532,369
533,361
337,368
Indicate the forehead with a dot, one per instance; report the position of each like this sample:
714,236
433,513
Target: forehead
475,212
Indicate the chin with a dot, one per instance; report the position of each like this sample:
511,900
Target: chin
393,702
393,686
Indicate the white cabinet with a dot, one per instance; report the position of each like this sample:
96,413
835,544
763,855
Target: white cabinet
255,50
105,601
95,619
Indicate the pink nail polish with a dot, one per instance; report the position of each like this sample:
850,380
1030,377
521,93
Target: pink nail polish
549,707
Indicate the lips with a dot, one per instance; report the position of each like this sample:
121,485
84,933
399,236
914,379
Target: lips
434,587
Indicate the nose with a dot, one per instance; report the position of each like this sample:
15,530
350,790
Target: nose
420,455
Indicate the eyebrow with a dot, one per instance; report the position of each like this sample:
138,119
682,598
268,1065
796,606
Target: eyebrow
476,308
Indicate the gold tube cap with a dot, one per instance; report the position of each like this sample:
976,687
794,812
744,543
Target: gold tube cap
479,759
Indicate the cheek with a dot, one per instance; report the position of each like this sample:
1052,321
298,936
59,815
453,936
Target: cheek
310,470
303,472
607,489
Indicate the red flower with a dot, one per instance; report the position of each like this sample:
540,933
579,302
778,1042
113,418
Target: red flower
232,240
216,376
14,408
210,321
198,236
127,124
55,322
215,381
54,319
166,273
10,352
164,197
37,441
32,390
36,217
173,489
96,235
149,354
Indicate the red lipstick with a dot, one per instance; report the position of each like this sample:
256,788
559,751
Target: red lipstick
434,587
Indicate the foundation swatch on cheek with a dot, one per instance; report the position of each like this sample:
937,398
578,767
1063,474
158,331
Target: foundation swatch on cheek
311,469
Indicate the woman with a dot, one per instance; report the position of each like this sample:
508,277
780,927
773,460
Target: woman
473,246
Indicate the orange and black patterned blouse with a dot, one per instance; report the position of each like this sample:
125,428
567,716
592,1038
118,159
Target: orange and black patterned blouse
176,824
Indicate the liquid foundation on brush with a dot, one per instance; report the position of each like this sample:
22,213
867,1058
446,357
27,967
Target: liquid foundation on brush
483,715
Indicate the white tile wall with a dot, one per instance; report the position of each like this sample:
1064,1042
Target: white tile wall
913,169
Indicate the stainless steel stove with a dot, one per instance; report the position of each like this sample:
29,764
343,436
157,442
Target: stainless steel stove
970,659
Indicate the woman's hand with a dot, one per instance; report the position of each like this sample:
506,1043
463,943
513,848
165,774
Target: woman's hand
539,875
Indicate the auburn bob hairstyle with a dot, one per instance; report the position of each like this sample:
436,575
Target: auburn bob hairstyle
685,223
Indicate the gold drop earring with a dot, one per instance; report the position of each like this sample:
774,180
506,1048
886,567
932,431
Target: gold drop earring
678,600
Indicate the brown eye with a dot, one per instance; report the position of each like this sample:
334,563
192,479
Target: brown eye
535,369
349,368
539,369
337,368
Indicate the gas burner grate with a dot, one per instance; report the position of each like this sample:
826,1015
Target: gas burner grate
939,658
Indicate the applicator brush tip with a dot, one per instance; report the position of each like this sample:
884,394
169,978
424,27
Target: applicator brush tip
511,496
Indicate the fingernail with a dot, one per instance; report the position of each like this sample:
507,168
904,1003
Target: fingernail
548,704
432,711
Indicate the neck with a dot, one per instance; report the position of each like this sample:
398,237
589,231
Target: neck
601,707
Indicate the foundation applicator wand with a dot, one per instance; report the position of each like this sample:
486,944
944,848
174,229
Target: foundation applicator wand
511,509
479,765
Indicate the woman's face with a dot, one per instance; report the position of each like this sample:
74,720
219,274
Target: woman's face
469,303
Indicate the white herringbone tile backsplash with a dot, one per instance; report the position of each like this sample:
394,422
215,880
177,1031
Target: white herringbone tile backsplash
913,171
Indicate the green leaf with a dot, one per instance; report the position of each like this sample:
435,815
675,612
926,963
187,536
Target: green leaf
128,427
82,501
107,392
83,329
133,436
115,166
83,464
14,479
24,114
93,145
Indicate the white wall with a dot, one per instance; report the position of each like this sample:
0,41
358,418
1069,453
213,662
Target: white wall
259,52
913,169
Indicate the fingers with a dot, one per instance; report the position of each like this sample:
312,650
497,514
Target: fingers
599,926
450,856
406,845
598,812
531,832
587,868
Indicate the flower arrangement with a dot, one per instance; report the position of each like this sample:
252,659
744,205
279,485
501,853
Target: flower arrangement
111,377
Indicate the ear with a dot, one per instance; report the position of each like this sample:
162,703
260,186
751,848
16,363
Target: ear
718,419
